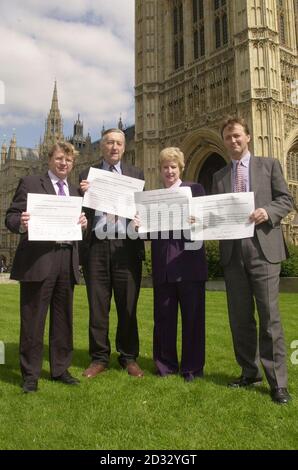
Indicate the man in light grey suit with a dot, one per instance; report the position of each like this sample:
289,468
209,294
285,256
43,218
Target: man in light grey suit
252,265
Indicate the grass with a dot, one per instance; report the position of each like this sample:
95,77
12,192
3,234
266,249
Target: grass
115,411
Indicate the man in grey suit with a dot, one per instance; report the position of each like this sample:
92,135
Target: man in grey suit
112,262
252,265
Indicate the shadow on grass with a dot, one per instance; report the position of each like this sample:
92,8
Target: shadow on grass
11,374
81,359
222,380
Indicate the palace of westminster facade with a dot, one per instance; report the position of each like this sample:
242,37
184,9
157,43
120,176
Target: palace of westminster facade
196,61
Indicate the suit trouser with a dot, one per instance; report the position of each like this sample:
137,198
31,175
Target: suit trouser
249,276
111,267
191,297
56,292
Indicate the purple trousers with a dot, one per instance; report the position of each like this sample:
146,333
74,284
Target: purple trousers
190,295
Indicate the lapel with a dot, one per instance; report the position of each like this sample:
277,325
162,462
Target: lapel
47,185
255,173
227,177
72,190
124,169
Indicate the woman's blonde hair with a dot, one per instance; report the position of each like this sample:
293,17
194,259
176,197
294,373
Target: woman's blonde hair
66,147
172,154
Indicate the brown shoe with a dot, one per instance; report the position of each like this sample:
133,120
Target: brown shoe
133,369
93,370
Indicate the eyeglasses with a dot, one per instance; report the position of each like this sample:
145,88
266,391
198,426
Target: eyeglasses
68,161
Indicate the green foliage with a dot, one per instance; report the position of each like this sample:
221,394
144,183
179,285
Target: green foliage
289,267
212,252
147,262
214,266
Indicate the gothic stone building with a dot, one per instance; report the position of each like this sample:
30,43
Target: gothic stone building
199,60
18,161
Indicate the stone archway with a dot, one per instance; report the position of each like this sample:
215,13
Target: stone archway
213,163
205,154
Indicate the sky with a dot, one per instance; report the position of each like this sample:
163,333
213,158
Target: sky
86,45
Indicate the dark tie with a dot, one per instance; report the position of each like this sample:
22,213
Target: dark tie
60,185
239,178
113,218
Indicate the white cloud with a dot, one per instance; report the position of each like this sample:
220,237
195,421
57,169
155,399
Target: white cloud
85,44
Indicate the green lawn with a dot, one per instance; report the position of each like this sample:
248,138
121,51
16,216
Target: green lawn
115,411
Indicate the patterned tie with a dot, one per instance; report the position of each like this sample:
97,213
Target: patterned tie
60,185
239,178
111,217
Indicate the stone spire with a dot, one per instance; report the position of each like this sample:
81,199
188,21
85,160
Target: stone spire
54,125
120,123
78,130
12,152
103,128
3,152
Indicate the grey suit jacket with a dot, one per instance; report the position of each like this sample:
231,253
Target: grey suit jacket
272,194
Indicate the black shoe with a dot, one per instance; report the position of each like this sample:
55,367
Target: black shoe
29,385
280,395
245,381
66,378
189,376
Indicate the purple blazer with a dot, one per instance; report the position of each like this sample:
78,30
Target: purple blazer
172,263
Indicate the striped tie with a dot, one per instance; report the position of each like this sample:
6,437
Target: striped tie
239,178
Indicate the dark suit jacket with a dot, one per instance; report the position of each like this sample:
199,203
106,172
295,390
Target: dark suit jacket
136,247
171,262
272,194
33,260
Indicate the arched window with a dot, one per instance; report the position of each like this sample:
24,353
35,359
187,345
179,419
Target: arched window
282,22
221,29
178,34
199,30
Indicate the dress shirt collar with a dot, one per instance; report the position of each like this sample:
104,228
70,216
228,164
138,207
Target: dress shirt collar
244,160
106,166
55,179
176,184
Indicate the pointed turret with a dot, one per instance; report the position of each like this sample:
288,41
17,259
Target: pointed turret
12,152
120,123
3,152
78,129
54,126
103,128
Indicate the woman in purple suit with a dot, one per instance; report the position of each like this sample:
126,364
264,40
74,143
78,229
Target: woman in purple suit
179,277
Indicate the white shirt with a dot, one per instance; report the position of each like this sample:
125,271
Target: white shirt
55,179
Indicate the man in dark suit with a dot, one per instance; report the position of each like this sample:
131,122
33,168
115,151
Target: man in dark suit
252,265
47,272
112,262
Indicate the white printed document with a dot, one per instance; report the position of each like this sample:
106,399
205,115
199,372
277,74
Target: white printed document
222,216
54,218
164,209
112,193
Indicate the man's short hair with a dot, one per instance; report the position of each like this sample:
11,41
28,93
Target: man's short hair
116,129
231,121
66,147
